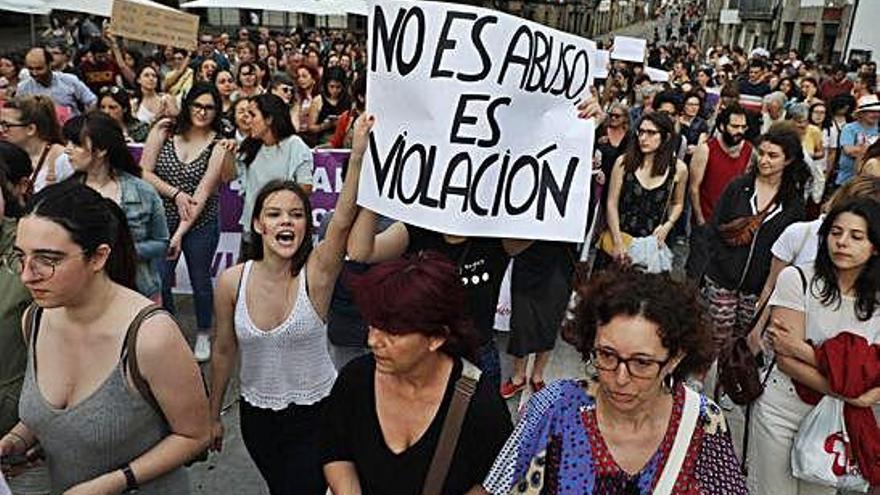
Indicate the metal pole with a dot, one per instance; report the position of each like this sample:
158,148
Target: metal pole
33,31
852,21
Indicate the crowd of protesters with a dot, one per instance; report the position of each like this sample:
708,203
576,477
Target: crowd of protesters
735,200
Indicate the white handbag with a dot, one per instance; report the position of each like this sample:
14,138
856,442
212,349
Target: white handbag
686,426
821,451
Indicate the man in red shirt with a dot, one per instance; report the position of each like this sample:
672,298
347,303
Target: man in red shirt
101,71
714,164
837,84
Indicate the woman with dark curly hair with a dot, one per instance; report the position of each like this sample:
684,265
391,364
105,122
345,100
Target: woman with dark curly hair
388,411
842,295
634,427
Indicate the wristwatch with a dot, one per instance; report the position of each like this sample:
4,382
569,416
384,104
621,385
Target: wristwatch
131,484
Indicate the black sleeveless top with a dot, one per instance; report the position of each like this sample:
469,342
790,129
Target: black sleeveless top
642,210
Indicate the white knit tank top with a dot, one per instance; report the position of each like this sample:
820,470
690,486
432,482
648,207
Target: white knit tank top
287,364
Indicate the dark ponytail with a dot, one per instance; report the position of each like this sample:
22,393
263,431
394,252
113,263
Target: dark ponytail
91,220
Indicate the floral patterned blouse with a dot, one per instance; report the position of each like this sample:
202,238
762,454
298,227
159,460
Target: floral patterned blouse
557,449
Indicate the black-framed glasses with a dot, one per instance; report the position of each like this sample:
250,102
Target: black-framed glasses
198,107
4,125
648,132
40,265
639,367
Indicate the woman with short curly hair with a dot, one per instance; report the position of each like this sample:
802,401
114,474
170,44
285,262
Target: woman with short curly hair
619,431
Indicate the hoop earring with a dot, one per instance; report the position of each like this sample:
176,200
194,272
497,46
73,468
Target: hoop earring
669,383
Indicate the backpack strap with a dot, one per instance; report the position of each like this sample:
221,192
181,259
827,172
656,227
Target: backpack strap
465,387
129,357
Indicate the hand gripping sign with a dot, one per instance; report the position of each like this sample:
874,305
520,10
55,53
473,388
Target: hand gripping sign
477,132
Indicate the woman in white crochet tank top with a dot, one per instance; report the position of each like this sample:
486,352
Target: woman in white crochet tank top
271,313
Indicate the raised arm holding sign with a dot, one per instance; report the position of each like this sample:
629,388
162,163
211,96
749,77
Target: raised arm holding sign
476,133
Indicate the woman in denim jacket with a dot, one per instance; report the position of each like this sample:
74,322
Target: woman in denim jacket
97,150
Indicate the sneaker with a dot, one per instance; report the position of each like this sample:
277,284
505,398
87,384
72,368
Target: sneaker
203,347
509,389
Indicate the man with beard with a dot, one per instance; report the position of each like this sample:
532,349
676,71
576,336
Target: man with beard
714,164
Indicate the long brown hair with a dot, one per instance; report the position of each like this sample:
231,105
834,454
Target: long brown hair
664,156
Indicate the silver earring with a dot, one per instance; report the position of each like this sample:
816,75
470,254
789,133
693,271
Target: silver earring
669,382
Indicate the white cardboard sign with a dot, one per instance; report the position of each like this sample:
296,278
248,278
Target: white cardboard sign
629,49
477,132
657,75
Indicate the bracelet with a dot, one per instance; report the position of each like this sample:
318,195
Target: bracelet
131,483
18,437
174,196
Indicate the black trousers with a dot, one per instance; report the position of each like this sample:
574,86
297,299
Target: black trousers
285,447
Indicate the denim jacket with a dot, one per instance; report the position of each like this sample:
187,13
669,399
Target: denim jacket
146,220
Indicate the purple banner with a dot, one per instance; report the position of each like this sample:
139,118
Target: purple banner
327,177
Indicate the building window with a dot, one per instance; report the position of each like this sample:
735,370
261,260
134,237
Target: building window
788,33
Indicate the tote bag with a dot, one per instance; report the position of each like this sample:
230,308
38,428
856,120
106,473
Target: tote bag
821,452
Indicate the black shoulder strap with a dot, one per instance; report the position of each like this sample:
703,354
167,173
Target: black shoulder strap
129,357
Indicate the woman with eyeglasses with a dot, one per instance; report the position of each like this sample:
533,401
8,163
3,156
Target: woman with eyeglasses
106,421
151,103
647,186
248,81
612,138
31,123
115,102
98,153
182,162
633,427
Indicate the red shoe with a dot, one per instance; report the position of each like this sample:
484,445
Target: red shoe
537,385
509,389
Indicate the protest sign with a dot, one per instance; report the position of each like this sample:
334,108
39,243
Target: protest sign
629,49
477,132
657,75
603,62
162,26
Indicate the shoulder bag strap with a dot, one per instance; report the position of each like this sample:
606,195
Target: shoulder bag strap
32,316
465,387
683,436
129,357
748,414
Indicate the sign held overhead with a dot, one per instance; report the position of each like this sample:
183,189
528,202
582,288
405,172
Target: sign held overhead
162,26
477,132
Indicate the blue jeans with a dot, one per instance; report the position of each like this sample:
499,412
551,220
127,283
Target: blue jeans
198,247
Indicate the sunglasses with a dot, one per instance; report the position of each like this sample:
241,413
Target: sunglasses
111,90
